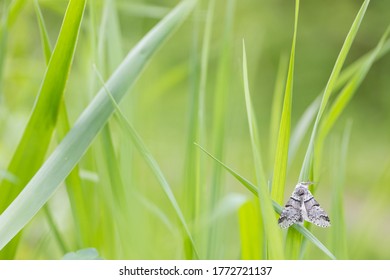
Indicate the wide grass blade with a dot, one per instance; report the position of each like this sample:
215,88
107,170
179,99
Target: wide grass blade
76,142
306,170
253,189
281,156
273,235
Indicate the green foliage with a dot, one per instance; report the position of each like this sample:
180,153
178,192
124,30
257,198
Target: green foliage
103,156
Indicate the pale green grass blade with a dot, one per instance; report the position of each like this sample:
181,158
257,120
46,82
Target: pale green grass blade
3,50
281,155
194,172
11,12
306,171
153,165
293,244
109,55
47,50
219,122
273,234
339,163
14,10
251,231
76,142
278,209
276,110
302,128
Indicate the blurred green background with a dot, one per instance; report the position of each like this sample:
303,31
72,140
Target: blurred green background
159,106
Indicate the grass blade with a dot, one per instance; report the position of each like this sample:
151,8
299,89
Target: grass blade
281,156
76,142
272,231
306,171
347,93
276,110
221,97
339,162
251,231
34,143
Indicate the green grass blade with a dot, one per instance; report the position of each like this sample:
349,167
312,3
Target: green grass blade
281,156
272,231
219,121
278,209
194,173
47,53
34,143
251,231
307,117
306,171
47,50
349,90
345,97
347,74
276,110
73,181
339,162
302,127
76,142
14,10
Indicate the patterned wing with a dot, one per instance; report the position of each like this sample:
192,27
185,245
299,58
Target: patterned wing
315,214
291,213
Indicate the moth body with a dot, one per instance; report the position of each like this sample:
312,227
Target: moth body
302,206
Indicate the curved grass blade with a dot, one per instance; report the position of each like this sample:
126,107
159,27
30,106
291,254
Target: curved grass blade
253,189
76,142
348,91
308,116
306,170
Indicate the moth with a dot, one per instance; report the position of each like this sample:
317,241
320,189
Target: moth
302,206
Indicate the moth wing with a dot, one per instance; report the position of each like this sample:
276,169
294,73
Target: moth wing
291,213
315,214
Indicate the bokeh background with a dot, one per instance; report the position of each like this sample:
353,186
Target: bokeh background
159,106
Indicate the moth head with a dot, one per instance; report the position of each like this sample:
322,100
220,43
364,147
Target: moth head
302,188
304,184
